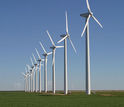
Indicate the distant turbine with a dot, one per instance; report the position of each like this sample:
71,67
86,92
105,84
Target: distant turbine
86,28
30,69
65,36
25,80
33,78
28,80
45,66
39,60
53,62
36,80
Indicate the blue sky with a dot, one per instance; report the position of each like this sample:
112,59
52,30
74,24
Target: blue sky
23,23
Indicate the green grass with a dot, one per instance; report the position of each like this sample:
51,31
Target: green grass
76,99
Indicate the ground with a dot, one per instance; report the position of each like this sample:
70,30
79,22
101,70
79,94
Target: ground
74,99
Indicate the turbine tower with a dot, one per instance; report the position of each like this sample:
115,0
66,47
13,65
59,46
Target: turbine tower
64,38
88,15
36,80
33,78
29,79
39,60
45,66
53,61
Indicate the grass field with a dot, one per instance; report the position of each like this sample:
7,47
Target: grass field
75,99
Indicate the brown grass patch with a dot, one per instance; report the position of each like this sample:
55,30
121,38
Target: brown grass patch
107,95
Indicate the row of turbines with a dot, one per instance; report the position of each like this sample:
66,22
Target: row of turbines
31,79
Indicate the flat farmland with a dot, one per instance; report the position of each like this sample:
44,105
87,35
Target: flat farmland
75,99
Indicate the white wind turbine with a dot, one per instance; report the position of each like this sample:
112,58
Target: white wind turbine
45,66
39,60
36,80
53,61
25,80
33,78
86,28
65,36
28,80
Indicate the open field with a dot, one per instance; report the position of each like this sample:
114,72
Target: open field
75,99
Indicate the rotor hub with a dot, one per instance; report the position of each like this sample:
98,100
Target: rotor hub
91,13
35,64
39,60
45,54
53,47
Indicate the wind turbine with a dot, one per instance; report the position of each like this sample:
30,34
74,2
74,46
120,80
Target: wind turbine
25,82
65,36
25,78
33,79
39,60
45,66
30,69
36,80
28,80
53,61
88,15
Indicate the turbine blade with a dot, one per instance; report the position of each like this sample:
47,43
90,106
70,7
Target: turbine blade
97,22
49,53
42,47
50,38
25,69
38,53
88,5
31,61
23,74
72,45
28,67
34,58
85,25
62,39
66,22
59,46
